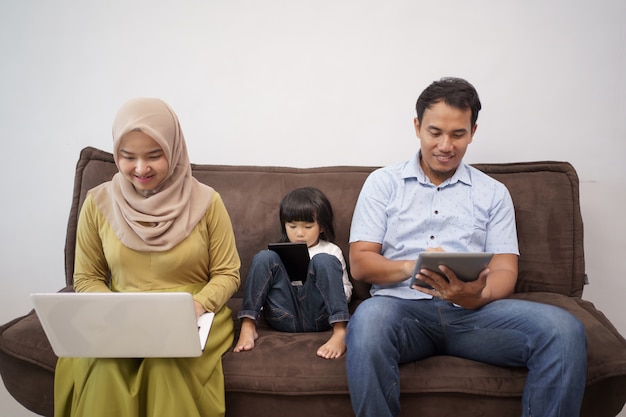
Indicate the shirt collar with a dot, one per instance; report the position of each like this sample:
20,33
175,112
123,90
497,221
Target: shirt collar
413,169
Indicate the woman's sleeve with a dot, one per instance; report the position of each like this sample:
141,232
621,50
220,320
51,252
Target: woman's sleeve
90,266
224,260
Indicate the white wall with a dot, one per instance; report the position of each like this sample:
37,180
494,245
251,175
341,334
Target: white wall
305,83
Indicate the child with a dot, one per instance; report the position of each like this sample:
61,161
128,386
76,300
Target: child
322,301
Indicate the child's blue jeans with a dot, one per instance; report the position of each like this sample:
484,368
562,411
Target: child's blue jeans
311,307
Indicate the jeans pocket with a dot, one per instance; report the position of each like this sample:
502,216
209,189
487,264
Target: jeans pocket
281,320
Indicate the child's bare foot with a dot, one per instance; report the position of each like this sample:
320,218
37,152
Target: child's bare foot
247,336
335,347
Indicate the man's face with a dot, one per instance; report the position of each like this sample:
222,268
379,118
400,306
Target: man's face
444,134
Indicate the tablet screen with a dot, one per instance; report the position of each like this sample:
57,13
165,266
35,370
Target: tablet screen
466,265
295,258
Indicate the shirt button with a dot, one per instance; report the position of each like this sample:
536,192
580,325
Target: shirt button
436,211
432,237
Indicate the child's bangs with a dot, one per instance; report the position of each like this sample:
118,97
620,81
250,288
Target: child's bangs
298,213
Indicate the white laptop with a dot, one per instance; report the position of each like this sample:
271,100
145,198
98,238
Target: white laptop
122,325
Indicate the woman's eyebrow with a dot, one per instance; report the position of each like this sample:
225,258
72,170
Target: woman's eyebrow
154,151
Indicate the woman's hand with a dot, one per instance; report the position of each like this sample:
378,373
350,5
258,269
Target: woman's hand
200,310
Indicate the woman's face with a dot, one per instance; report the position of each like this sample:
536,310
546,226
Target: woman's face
142,161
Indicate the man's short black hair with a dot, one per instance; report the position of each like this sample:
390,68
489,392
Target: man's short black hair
455,92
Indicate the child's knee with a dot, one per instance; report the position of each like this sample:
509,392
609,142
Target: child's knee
325,260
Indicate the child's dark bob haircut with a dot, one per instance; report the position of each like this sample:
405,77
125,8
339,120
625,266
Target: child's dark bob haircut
307,204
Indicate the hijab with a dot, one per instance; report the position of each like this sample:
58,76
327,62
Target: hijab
160,220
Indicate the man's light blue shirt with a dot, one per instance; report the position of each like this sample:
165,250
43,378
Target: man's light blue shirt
401,209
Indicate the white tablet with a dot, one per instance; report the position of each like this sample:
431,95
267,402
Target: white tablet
466,265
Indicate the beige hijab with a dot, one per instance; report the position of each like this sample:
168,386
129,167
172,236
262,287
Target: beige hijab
161,220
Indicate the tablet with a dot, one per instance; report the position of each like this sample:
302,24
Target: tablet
295,257
466,265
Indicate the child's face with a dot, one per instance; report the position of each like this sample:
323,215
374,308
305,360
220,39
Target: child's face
308,232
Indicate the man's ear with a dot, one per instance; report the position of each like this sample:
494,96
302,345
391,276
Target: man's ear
416,124
473,131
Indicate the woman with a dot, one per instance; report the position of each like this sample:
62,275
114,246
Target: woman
153,227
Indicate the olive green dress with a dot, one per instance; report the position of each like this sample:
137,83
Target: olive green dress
205,264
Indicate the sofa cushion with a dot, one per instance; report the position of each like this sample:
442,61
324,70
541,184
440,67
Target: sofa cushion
606,353
264,369
251,195
550,236
550,227
24,339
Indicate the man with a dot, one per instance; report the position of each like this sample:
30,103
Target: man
436,202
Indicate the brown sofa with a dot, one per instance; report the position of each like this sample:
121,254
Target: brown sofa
283,377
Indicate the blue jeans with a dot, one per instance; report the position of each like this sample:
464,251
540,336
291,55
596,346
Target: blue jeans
387,331
311,307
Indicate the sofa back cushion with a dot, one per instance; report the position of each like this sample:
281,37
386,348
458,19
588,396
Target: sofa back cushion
545,196
549,224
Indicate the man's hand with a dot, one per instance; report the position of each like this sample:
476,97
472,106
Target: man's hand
502,274
448,287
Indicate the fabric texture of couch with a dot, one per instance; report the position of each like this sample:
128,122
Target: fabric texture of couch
283,377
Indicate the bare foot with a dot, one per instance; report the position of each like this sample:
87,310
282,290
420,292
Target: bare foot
335,347
247,336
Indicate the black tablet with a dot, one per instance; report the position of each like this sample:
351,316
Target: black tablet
295,257
466,265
